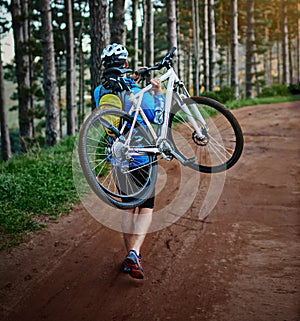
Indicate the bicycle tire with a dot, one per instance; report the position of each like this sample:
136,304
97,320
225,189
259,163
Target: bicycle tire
224,141
102,171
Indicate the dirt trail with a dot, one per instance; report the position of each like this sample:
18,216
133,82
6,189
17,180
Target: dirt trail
241,264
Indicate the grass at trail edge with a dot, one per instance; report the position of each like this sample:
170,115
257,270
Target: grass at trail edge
35,187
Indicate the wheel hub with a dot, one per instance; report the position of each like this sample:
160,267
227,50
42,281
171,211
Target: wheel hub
119,151
203,141
119,156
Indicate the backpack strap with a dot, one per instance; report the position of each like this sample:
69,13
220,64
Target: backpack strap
122,96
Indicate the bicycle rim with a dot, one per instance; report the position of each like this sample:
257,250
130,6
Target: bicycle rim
222,143
118,180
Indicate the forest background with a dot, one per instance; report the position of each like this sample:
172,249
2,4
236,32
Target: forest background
238,52
225,49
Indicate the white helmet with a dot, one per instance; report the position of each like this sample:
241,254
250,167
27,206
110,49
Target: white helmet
114,55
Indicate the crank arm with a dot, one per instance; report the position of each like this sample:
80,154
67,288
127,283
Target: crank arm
184,162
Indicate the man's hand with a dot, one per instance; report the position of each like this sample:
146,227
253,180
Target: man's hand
156,85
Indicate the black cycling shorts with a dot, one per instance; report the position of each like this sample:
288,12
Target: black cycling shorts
139,178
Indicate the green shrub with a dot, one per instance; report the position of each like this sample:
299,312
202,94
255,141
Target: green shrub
211,94
281,90
223,95
275,90
226,94
267,92
294,89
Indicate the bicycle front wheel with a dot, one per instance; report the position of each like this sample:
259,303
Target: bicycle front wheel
221,143
117,177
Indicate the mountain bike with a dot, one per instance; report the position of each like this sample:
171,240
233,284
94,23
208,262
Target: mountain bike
119,151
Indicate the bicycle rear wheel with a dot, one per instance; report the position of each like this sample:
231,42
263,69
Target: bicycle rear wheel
119,178
222,142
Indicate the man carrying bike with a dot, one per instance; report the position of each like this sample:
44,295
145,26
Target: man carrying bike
136,221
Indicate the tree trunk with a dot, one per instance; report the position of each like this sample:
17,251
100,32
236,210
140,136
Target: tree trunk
234,48
285,45
196,42
71,72
255,66
135,35
81,89
21,38
144,32
178,40
81,111
291,60
99,31
205,45
28,8
298,46
212,44
5,140
49,80
278,59
60,105
266,56
249,48
149,34
117,26
270,63
172,25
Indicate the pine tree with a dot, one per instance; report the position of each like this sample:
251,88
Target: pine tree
149,33
19,11
49,83
234,48
205,45
80,21
298,45
135,35
5,140
71,75
285,43
117,26
99,32
172,30
212,44
249,48
196,44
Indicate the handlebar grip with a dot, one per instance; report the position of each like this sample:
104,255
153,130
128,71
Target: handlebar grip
141,71
171,52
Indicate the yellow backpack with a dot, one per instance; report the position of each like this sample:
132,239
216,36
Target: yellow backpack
109,101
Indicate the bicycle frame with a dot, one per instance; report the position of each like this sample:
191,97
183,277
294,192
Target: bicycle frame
136,99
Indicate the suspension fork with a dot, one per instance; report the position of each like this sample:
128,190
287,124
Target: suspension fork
180,100
196,110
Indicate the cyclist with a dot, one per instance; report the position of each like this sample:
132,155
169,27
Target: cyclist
136,221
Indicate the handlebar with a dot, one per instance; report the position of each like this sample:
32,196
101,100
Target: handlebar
167,62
